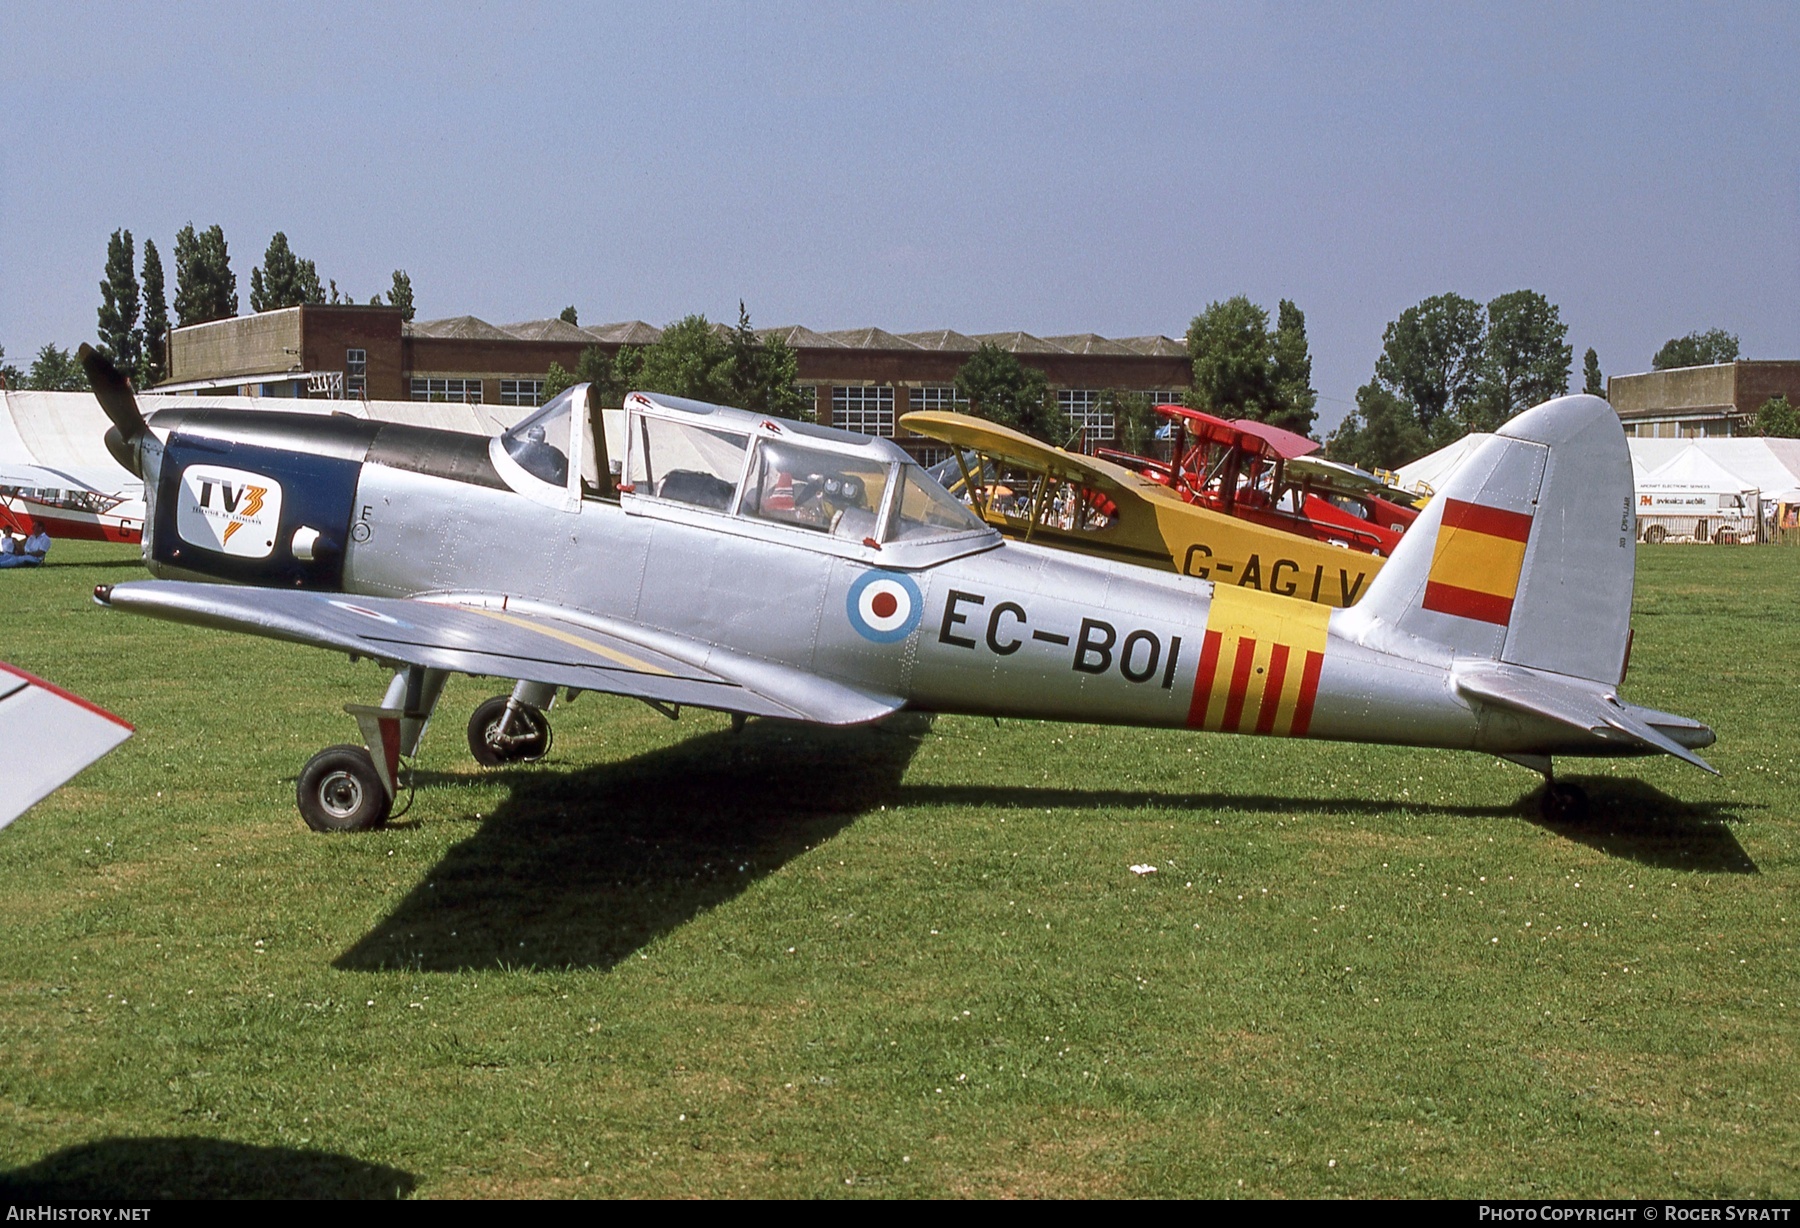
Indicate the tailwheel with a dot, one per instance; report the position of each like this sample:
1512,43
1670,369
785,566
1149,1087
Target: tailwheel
1562,802
503,731
340,790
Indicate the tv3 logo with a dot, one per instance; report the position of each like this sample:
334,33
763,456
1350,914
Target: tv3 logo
233,511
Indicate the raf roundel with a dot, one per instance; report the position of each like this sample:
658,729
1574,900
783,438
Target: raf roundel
884,606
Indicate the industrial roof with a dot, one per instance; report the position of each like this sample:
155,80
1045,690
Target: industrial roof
459,328
554,329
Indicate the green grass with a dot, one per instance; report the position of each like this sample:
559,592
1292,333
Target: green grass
908,961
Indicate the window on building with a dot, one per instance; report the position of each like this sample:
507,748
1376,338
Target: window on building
465,390
941,397
356,374
868,409
521,392
1164,396
1081,406
809,398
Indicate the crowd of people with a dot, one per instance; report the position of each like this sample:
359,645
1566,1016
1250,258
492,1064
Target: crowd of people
24,550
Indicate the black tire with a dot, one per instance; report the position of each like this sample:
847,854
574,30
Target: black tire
1655,535
1699,530
340,790
1563,803
1725,537
529,741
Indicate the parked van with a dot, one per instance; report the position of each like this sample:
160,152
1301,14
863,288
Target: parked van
1672,512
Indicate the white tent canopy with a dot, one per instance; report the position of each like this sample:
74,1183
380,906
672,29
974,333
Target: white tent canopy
65,432
1771,466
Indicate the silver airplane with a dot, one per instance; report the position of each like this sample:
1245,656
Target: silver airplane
688,554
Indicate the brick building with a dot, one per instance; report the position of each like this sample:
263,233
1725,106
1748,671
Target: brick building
861,379
1701,402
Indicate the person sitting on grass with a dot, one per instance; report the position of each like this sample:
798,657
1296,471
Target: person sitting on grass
30,552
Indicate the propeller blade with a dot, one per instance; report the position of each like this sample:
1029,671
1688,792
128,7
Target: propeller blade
113,391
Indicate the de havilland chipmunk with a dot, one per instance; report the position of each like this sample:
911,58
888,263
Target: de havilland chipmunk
711,557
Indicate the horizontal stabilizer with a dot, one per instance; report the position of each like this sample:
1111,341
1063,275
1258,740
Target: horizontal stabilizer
496,638
1588,707
49,735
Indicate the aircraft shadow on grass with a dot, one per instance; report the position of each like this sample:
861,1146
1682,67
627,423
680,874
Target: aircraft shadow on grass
142,1169
583,868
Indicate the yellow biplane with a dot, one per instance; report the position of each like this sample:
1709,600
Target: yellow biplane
1034,492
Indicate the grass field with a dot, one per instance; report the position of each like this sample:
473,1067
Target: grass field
898,962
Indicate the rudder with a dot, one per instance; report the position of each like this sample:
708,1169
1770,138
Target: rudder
1526,555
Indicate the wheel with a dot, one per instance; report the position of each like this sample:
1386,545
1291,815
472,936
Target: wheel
340,791
1725,537
527,742
1656,535
1699,530
1563,803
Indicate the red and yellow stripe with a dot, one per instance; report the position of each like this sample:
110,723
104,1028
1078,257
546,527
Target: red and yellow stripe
1476,562
1259,664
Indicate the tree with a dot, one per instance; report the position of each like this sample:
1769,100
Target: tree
1002,389
56,371
1697,349
1295,396
284,280
154,359
1592,382
763,373
1524,360
120,339
1383,432
1431,358
400,296
689,360
557,379
569,315
10,376
1778,419
1135,420
1243,369
205,286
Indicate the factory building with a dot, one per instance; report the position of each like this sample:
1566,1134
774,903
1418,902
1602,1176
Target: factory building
860,379
1709,402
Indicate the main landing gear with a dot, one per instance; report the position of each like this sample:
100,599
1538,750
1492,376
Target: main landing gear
1558,803
352,788
512,728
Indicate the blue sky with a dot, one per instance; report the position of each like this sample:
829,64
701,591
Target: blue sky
1055,168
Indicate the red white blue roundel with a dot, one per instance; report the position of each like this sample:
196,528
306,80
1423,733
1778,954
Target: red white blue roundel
884,606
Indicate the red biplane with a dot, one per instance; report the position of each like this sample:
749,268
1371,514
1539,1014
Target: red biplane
1268,476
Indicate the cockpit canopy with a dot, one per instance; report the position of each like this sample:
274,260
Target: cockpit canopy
846,486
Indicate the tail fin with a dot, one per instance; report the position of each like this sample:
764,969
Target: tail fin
1526,553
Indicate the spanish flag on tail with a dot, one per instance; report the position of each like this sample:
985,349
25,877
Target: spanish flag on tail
1475,566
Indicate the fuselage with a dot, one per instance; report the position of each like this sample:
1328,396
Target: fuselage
959,622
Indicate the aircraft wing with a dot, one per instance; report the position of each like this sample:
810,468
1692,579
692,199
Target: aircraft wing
1334,476
1015,447
1590,707
48,736
499,638
44,477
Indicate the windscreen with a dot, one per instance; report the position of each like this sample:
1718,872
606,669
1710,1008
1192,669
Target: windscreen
540,442
928,510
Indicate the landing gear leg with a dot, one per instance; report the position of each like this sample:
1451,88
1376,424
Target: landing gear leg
1558,803
512,728
352,788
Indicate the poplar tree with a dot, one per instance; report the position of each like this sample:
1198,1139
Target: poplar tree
120,339
205,286
154,362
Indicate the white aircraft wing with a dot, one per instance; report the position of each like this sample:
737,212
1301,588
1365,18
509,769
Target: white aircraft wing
48,477
533,642
48,736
